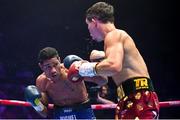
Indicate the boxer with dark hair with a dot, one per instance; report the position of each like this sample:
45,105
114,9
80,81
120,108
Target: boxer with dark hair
70,99
123,62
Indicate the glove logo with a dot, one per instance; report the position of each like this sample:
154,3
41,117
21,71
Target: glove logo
36,101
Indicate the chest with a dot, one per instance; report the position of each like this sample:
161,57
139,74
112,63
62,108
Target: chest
60,87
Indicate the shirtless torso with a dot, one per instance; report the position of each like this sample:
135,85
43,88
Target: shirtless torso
133,64
62,91
124,64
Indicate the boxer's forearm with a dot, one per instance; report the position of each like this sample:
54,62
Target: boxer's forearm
108,68
44,112
99,80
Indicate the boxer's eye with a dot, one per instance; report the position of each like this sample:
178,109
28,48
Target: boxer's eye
55,64
47,67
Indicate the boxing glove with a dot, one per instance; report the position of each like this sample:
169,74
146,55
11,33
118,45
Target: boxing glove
79,69
68,60
97,56
73,73
33,96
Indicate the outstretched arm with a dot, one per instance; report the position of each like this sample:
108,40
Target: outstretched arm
99,80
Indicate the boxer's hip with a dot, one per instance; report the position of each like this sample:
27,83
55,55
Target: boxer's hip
137,98
134,85
76,106
76,111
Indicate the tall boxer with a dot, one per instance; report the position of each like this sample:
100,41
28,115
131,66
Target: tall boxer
123,63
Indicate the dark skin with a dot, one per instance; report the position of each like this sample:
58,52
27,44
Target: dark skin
53,83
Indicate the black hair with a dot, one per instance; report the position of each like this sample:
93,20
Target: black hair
47,53
101,11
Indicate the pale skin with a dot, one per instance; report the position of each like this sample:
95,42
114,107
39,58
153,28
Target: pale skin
53,83
123,60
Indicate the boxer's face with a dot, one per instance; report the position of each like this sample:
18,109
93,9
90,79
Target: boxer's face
94,30
51,67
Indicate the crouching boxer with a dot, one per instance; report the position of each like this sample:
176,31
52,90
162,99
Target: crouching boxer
70,99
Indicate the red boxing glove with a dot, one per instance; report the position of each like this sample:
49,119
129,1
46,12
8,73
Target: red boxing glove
73,73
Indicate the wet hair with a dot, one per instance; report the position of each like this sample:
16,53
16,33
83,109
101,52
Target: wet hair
47,53
102,11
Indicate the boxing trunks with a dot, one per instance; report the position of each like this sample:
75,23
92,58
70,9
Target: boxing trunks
137,100
74,112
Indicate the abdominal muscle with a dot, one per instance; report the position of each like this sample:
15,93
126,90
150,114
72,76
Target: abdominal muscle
127,74
133,66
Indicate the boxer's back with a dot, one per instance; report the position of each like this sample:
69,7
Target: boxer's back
133,64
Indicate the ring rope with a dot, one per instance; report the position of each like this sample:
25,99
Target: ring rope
163,104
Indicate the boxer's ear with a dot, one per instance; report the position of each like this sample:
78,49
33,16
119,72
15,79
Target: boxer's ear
59,59
94,21
40,65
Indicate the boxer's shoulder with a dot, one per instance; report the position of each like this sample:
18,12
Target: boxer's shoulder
115,35
41,81
41,77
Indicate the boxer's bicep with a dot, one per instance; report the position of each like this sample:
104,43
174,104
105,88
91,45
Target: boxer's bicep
40,83
115,53
114,57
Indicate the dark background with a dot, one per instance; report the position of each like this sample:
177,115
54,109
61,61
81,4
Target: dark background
26,26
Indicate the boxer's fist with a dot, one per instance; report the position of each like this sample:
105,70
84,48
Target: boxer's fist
68,60
97,56
73,73
33,96
72,62
80,69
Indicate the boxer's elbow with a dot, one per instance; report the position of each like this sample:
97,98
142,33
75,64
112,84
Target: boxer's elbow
102,81
115,67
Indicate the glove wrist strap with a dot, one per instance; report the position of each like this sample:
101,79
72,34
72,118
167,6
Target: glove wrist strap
88,69
39,106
